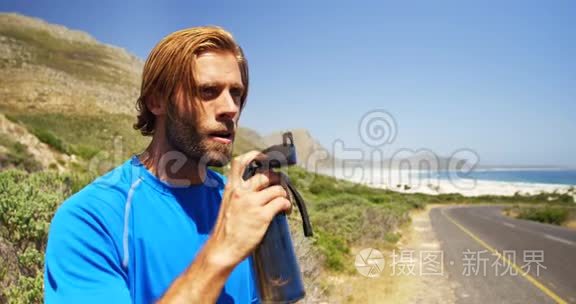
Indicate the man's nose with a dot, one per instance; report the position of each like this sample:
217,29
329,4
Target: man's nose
228,107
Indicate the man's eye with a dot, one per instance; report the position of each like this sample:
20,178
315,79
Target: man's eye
236,92
209,93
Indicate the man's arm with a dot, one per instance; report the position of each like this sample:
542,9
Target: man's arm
245,213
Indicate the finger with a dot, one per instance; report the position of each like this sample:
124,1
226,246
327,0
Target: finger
276,206
267,195
263,180
239,164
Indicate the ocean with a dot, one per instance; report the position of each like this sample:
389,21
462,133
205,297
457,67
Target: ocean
551,176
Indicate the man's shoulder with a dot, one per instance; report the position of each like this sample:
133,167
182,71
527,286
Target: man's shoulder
103,197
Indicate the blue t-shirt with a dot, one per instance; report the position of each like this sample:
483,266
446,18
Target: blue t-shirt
128,235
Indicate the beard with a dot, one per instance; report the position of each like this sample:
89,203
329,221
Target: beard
191,138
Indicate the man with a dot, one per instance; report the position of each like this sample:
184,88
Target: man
163,227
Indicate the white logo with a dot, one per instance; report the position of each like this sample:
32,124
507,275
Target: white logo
369,262
377,128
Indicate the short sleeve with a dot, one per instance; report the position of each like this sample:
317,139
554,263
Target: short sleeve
82,264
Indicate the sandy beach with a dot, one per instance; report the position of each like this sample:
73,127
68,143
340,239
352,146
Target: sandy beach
414,181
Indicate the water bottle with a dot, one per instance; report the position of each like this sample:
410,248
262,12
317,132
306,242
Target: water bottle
275,265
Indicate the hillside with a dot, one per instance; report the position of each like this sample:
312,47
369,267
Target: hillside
48,67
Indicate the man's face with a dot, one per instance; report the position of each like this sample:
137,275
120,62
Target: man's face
206,132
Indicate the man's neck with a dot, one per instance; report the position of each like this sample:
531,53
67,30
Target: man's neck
172,166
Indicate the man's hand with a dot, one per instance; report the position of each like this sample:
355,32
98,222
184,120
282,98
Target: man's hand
247,208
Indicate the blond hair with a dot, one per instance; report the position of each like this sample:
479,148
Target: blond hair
170,67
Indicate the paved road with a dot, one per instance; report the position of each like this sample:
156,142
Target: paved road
469,236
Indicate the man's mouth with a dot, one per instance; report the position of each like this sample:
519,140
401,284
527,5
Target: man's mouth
224,137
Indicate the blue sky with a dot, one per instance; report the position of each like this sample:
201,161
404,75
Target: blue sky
496,77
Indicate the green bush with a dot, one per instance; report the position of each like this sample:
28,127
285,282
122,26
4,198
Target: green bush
28,289
392,237
334,250
549,215
347,220
323,185
27,203
415,202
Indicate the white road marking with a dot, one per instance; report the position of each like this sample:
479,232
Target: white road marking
509,225
557,239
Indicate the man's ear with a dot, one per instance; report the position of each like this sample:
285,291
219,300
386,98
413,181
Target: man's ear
156,105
